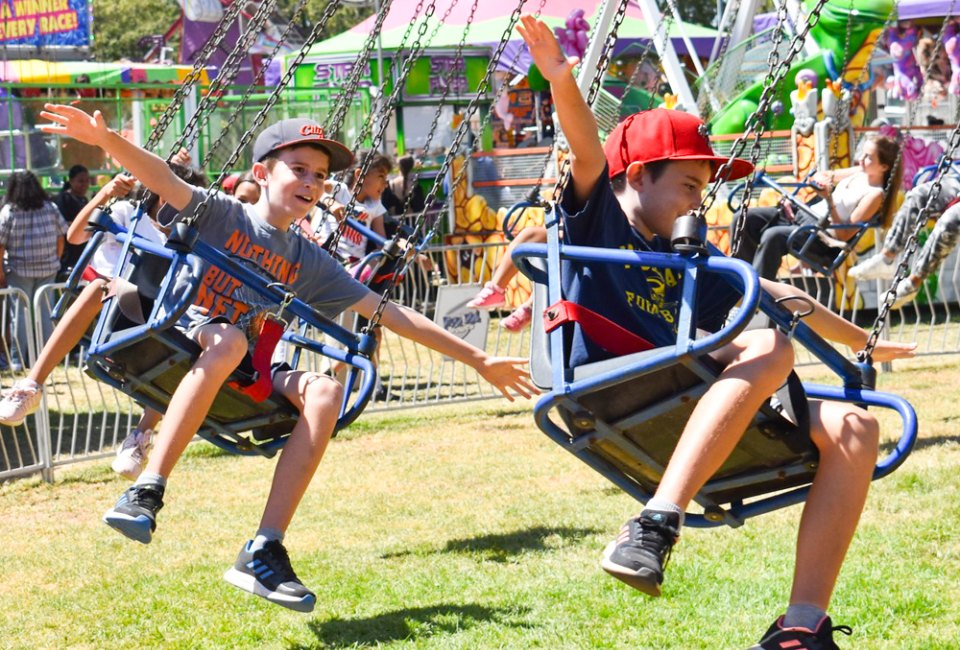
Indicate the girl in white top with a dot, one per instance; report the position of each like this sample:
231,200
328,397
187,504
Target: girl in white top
352,245
851,196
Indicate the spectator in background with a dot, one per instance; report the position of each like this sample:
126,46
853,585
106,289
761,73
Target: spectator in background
32,234
70,200
246,189
402,186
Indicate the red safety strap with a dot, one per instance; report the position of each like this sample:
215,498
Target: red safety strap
271,329
602,331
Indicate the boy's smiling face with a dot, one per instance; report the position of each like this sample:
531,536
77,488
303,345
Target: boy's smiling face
292,183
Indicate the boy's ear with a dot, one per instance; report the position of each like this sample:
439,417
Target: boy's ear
634,173
356,175
259,172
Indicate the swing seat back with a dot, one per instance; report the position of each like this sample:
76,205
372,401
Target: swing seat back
148,359
623,416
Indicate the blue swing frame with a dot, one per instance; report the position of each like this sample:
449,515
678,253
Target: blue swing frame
185,254
804,237
857,378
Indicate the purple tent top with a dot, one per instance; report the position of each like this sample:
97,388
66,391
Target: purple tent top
910,9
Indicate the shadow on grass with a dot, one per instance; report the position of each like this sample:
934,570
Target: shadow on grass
408,624
499,548
923,442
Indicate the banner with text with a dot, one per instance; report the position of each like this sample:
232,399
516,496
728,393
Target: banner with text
45,23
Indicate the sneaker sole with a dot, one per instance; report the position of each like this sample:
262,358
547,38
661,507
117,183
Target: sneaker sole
13,423
249,584
640,581
136,528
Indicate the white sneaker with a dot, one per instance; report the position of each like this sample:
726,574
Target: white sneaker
906,292
132,455
22,399
874,268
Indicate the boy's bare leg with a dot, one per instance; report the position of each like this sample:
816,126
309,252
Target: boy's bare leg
223,347
757,364
848,440
263,567
318,399
149,420
506,269
68,331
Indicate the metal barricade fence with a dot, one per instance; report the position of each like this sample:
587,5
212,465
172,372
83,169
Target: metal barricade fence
81,419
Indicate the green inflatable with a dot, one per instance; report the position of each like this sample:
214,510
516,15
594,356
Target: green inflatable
829,34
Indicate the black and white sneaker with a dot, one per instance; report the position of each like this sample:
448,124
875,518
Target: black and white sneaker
640,552
267,573
135,514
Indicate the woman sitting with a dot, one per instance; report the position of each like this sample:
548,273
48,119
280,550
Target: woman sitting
850,196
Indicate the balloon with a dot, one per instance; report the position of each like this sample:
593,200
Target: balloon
573,36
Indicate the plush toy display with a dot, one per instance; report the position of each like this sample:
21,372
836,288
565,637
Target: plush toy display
906,81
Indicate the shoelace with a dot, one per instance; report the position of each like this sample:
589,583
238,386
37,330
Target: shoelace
146,496
276,557
845,629
655,539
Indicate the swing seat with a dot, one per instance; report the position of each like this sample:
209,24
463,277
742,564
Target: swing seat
623,416
148,359
821,250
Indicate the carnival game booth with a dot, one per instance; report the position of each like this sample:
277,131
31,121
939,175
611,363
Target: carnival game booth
131,97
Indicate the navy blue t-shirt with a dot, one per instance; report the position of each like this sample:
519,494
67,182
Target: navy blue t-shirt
644,300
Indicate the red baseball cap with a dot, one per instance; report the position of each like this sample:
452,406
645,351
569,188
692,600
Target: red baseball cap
287,133
662,134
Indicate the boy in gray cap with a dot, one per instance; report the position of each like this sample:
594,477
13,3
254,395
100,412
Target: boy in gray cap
292,158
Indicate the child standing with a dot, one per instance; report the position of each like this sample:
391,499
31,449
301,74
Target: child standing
292,159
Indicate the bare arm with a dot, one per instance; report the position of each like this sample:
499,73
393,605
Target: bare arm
579,125
503,372
92,129
120,185
60,246
835,328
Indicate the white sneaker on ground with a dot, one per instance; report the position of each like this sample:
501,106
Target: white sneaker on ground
19,401
132,454
874,268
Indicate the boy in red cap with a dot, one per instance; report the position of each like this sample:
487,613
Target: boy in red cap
292,159
627,194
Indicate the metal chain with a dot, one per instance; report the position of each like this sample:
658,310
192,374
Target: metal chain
755,118
248,93
454,147
228,72
271,101
756,151
594,90
459,64
913,242
733,9
163,122
391,102
334,120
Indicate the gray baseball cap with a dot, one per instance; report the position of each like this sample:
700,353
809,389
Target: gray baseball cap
300,130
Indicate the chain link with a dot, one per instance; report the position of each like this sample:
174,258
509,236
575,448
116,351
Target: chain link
248,93
756,118
334,121
318,28
454,147
596,83
946,161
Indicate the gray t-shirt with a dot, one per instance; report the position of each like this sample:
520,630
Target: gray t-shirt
235,228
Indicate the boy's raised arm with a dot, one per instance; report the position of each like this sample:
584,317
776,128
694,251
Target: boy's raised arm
576,119
92,129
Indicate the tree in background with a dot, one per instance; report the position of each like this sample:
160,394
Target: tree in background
119,25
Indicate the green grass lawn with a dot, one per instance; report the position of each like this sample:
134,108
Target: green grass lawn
464,527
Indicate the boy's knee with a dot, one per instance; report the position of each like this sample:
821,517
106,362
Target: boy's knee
852,431
225,342
773,346
322,395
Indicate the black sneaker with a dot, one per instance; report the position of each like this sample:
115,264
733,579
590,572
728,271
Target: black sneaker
267,573
640,552
800,638
135,514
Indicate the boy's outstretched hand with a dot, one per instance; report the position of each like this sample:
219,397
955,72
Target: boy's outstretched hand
890,350
508,373
75,123
545,49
